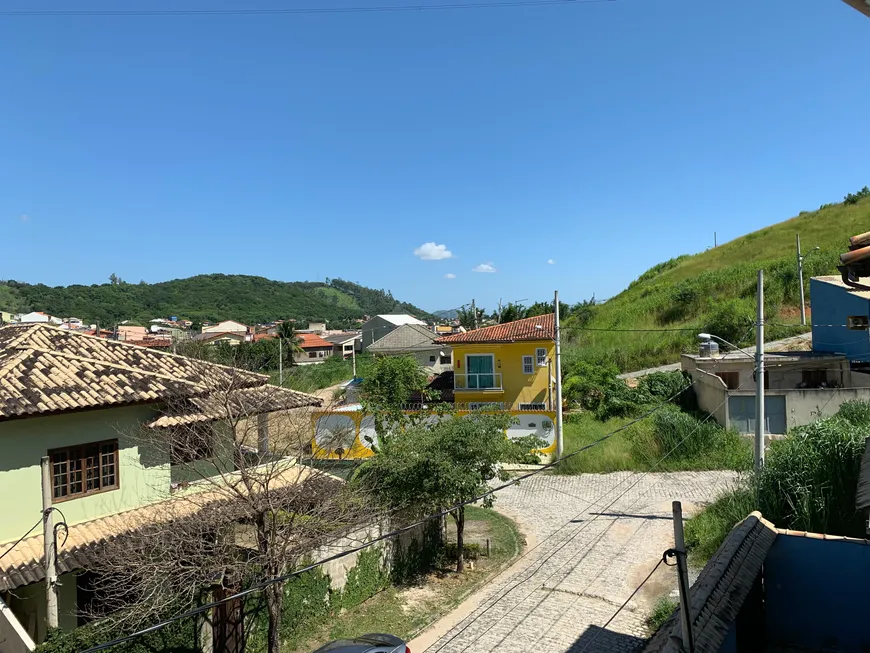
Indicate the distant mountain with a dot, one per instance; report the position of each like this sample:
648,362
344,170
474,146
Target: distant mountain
207,297
450,314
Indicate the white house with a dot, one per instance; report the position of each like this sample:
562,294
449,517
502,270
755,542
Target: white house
227,326
380,325
39,316
416,341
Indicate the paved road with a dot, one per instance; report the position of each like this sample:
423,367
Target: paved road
567,587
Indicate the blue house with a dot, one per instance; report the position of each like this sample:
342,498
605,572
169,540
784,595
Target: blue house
841,316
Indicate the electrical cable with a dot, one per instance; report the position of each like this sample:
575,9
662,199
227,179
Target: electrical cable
22,538
622,607
301,10
392,534
578,532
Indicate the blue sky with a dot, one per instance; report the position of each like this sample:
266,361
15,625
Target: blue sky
602,137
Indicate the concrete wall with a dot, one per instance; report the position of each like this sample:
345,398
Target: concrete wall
712,396
816,593
143,474
781,375
832,305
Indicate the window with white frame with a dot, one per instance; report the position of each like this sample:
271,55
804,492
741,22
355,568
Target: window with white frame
528,365
541,356
533,406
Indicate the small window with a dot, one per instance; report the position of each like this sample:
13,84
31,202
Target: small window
534,406
432,359
858,322
730,379
312,354
85,469
528,365
446,360
541,356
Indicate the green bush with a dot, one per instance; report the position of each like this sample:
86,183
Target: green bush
706,531
178,637
661,612
470,551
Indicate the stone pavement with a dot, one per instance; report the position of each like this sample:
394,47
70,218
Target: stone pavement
585,557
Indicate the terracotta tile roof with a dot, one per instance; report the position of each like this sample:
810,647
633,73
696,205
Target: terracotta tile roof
264,336
525,329
242,403
22,565
45,369
312,340
156,343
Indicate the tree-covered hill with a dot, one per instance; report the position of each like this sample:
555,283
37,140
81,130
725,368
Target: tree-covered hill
207,297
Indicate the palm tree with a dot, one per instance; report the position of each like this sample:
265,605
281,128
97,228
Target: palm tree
288,339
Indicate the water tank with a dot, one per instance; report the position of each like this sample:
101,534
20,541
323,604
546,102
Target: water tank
709,349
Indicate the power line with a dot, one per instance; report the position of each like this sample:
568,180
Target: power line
387,536
299,10
21,539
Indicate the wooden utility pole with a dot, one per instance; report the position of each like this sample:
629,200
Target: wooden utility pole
49,546
683,577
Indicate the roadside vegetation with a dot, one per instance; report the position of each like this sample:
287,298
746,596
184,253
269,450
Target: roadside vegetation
808,484
674,438
714,292
406,610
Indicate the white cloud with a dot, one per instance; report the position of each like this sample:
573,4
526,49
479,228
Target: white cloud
24,217
485,267
433,252
449,275
551,261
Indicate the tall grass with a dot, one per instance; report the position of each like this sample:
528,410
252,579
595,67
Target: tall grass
666,441
808,483
308,378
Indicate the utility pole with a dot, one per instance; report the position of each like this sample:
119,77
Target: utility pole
499,310
683,577
715,242
474,312
759,377
49,547
280,361
558,338
353,356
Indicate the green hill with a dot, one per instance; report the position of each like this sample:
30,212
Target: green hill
207,297
714,291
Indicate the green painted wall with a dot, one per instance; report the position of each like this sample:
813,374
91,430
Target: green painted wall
144,474
28,605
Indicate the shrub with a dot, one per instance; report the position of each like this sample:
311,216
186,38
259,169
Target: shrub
732,320
854,198
470,551
661,612
698,443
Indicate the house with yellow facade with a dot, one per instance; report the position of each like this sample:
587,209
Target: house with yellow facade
507,366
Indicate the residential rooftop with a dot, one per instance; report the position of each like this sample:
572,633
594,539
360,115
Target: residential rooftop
540,327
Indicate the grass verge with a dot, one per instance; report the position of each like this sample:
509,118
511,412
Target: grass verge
661,612
406,611
694,444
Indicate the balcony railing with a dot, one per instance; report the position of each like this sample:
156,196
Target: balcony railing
490,381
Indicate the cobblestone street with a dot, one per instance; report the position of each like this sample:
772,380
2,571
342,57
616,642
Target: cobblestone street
573,577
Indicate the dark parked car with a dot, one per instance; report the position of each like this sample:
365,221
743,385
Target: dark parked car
371,643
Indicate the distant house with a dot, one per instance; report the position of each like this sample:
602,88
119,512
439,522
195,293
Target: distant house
345,343
6,317
380,325
314,327
84,414
506,365
798,386
39,316
416,341
230,338
227,326
127,332
314,349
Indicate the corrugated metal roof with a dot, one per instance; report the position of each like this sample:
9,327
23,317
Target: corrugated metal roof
541,327
721,588
408,337
45,369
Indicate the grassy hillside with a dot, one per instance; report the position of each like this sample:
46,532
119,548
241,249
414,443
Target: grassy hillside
714,291
206,297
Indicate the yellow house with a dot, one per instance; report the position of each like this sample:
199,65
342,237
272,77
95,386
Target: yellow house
510,366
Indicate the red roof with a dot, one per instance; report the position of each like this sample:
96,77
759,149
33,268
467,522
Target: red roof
154,343
263,336
541,327
312,340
